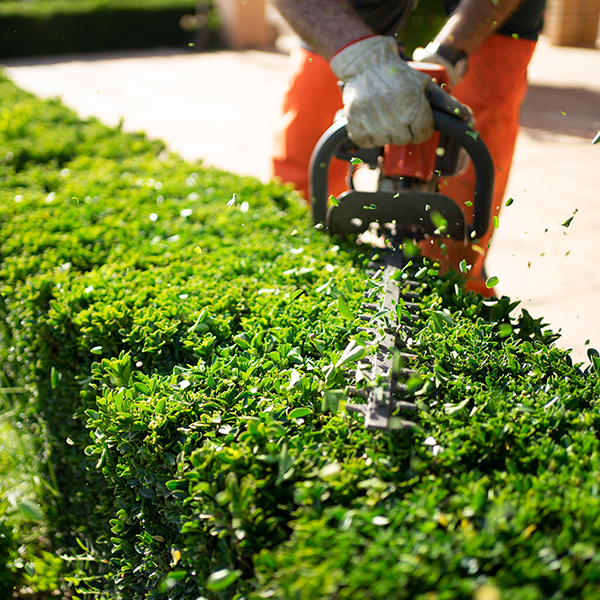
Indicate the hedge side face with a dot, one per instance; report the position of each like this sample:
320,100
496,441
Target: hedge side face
183,338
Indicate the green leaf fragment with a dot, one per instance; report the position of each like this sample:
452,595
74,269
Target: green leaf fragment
491,282
496,221
356,161
508,202
344,310
220,580
414,384
30,510
596,139
55,377
298,413
352,352
451,409
334,201
330,471
594,357
568,221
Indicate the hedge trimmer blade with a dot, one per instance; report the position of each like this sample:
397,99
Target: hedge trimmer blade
407,203
381,375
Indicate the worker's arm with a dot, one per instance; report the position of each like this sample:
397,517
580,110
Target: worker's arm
473,22
326,25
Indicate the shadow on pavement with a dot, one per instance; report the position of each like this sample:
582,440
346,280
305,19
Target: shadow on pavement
573,111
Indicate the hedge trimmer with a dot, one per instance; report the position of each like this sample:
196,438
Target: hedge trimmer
406,206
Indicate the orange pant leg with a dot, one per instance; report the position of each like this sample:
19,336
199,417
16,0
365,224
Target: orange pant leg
494,87
310,104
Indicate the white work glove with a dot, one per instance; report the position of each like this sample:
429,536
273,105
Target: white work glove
429,55
385,100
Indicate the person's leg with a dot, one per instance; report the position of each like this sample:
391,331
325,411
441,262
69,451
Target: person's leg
310,104
494,87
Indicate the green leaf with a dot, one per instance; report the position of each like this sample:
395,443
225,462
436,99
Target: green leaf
596,139
30,510
356,161
330,471
594,357
334,201
352,352
344,310
491,282
297,413
141,387
220,580
451,409
55,377
177,575
96,350
439,222
414,384
508,202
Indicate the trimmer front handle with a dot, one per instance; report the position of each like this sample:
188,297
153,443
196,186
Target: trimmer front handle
456,129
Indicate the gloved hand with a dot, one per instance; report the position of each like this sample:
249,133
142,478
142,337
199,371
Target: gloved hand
429,54
385,100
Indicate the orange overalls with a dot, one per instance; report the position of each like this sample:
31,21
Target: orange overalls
494,86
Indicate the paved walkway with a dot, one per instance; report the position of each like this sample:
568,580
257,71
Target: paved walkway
222,107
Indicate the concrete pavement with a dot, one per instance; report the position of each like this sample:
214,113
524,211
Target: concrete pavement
222,107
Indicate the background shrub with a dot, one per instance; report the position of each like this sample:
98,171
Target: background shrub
65,26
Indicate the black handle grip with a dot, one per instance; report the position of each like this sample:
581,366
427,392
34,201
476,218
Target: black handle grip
454,128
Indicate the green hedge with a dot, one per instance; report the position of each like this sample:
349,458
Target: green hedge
63,26
177,340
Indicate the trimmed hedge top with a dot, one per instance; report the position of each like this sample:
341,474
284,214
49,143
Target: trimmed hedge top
184,337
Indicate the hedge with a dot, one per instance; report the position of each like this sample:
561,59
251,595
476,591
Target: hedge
64,26
175,345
